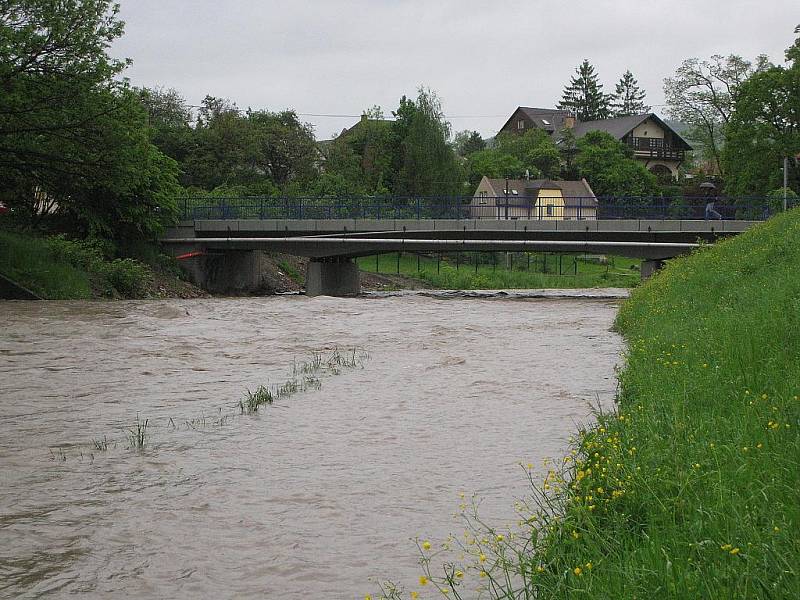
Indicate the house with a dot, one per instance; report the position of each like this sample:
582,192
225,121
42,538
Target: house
657,145
537,199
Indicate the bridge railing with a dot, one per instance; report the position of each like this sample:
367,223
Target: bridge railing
492,208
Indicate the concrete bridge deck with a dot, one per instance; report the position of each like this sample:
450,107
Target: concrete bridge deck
333,242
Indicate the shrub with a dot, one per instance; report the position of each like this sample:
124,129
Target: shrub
127,276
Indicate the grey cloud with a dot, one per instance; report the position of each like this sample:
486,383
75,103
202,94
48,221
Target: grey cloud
483,58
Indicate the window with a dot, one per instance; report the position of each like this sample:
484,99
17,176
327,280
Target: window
482,197
520,124
545,121
550,210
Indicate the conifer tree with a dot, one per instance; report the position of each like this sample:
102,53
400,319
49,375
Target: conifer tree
629,97
584,95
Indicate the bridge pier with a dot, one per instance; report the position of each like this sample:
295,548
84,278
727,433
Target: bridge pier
332,277
649,268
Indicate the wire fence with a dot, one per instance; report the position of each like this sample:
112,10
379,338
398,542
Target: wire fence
491,208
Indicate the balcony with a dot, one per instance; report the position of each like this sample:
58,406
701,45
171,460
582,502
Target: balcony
654,148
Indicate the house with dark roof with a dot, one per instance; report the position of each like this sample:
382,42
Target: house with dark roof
652,140
538,199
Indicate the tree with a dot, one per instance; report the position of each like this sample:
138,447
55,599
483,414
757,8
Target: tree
534,149
73,137
763,128
170,120
628,98
223,150
466,142
429,166
703,93
584,95
611,171
284,148
493,163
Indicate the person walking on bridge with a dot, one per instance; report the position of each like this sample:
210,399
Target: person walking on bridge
709,189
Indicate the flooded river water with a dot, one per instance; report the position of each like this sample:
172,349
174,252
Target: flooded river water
310,497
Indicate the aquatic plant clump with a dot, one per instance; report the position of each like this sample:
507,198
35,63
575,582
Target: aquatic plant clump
137,435
690,488
305,376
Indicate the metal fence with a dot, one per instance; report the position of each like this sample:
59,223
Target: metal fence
459,207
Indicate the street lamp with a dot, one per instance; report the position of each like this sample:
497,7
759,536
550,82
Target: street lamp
506,190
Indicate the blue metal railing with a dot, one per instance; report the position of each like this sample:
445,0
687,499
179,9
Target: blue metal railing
468,207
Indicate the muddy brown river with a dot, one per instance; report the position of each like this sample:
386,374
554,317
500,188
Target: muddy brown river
316,496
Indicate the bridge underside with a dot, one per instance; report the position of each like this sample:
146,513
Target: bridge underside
332,244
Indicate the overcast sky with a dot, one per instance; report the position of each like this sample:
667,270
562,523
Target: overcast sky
483,58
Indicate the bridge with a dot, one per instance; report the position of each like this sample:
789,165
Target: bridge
224,251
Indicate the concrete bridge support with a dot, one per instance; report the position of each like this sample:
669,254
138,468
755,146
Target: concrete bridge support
233,272
649,268
332,277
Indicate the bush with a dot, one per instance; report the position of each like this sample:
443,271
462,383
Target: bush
79,253
127,276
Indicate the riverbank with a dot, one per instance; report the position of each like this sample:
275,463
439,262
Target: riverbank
689,489
500,270
56,268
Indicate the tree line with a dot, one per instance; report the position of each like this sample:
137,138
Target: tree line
83,149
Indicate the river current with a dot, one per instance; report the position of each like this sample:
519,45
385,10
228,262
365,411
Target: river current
316,496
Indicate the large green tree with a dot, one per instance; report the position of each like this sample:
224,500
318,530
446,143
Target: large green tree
763,129
466,142
170,121
532,154
610,169
427,165
584,95
628,97
73,137
703,93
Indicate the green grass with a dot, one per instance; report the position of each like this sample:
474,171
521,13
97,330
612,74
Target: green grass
528,271
31,262
691,487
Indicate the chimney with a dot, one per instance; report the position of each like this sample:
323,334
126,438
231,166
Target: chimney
363,117
569,122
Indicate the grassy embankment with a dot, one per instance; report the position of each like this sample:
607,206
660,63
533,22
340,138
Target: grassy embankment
691,488
56,268
527,272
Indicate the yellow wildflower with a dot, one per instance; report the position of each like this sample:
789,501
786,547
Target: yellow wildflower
482,557
414,595
459,574
426,545
577,570
423,580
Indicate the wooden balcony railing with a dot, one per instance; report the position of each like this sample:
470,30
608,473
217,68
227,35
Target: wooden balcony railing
654,148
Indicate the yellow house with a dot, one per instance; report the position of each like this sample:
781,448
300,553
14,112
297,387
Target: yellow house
533,199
